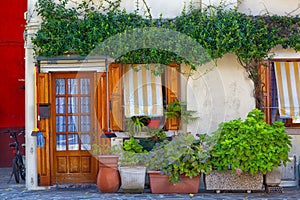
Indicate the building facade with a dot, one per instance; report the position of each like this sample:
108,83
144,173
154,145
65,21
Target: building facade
79,99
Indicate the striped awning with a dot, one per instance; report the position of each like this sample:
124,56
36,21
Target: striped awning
288,87
142,92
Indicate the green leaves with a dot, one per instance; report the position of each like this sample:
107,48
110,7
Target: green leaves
79,29
183,155
250,145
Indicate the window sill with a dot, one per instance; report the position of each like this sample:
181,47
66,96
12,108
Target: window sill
293,130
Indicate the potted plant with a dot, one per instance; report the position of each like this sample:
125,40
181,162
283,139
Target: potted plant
175,166
136,125
178,110
132,170
247,150
108,177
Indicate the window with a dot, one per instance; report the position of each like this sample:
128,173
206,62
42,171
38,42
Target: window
135,91
284,92
142,92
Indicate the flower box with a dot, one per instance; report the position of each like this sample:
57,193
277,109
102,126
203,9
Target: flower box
159,184
218,181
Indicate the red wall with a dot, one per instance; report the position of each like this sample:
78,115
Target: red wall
12,73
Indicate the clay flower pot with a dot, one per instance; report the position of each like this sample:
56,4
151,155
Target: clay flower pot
108,178
159,184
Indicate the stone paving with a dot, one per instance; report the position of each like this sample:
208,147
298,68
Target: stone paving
18,191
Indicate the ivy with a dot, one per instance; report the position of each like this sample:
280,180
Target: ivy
77,30
201,35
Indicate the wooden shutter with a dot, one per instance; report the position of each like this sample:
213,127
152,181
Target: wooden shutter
172,86
101,101
43,154
116,96
265,87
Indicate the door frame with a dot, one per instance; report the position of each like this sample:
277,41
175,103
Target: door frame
52,138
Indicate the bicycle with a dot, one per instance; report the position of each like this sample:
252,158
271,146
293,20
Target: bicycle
17,162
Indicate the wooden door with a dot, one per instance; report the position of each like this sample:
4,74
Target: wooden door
72,110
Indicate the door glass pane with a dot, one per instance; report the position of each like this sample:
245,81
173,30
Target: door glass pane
61,142
73,105
60,86
72,123
73,86
85,104
85,86
60,105
85,142
85,123
60,123
73,142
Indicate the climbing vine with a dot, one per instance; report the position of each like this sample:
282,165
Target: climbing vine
80,29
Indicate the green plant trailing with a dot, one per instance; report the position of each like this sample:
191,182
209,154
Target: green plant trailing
251,145
178,110
78,30
183,155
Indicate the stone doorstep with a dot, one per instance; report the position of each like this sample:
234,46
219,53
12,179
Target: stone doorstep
77,186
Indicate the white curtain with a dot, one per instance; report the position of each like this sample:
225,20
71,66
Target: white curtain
67,128
142,92
288,87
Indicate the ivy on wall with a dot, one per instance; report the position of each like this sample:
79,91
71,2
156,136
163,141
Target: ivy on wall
79,30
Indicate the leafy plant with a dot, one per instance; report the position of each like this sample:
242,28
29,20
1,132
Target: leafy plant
104,149
156,134
136,124
178,110
129,158
132,145
183,155
131,153
250,145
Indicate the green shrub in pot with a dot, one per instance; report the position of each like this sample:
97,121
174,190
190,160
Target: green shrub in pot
183,155
251,145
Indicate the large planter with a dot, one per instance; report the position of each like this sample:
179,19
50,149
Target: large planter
108,178
218,181
133,178
273,178
159,183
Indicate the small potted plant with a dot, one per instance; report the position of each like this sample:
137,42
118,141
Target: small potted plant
177,110
175,166
108,178
246,150
136,125
132,169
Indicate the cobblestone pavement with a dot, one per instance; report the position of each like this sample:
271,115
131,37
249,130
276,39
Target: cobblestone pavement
18,191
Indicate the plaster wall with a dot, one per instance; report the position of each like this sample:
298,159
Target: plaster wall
271,7
295,149
219,93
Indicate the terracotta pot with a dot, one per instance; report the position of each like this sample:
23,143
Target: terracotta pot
159,183
108,178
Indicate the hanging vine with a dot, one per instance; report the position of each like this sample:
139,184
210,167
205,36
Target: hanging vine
78,30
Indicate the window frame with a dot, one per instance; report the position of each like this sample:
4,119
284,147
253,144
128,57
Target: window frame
171,89
266,78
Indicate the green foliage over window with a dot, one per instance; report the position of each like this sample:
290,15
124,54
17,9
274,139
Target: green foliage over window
216,30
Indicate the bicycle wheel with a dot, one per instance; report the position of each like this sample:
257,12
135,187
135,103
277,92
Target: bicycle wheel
16,170
22,172
21,167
